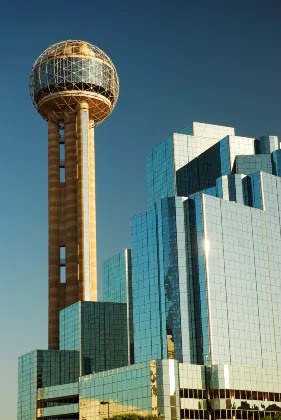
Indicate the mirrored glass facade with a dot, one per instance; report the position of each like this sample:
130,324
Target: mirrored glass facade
267,144
233,254
115,277
222,244
276,162
161,170
117,287
39,369
148,388
57,402
160,289
165,159
249,164
98,330
232,154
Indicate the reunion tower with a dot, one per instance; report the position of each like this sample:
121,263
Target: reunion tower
74,86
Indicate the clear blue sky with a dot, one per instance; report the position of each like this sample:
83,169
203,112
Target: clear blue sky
190,60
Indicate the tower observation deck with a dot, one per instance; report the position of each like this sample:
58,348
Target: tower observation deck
74,86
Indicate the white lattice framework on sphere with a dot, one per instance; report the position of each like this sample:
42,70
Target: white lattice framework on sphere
71,72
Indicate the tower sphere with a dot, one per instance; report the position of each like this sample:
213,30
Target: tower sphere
71,72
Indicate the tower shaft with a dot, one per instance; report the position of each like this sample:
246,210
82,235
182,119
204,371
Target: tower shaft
72,216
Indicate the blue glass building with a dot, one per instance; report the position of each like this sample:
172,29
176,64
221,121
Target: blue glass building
200,290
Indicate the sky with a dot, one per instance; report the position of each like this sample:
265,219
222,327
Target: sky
213,61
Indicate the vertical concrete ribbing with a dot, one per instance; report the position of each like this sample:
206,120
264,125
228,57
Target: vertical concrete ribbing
86,197
54,224
80,197
70,201
92,214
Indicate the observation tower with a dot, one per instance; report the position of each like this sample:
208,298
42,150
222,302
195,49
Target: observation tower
74,86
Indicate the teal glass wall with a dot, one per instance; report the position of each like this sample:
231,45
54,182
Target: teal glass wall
252,191
231,155
201,172
161,171
188,130
224,156
230,187
27,387
268,144
151,387
168,157
39,369
117,287
98,330
58,402
235,249
271,204
161,315
276,162
253,163
145,288
197,274
115,278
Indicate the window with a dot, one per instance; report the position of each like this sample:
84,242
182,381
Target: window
254,395
62,274
62,174
248,395
237,395
62,255
62,161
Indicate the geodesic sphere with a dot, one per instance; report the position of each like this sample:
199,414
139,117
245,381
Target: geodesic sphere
70,72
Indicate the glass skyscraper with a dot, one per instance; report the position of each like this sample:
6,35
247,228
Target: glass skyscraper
198,296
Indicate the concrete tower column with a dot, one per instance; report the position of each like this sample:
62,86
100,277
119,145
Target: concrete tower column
70,207
92,213
54,227
86,204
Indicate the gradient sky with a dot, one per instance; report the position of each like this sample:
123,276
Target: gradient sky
178,61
